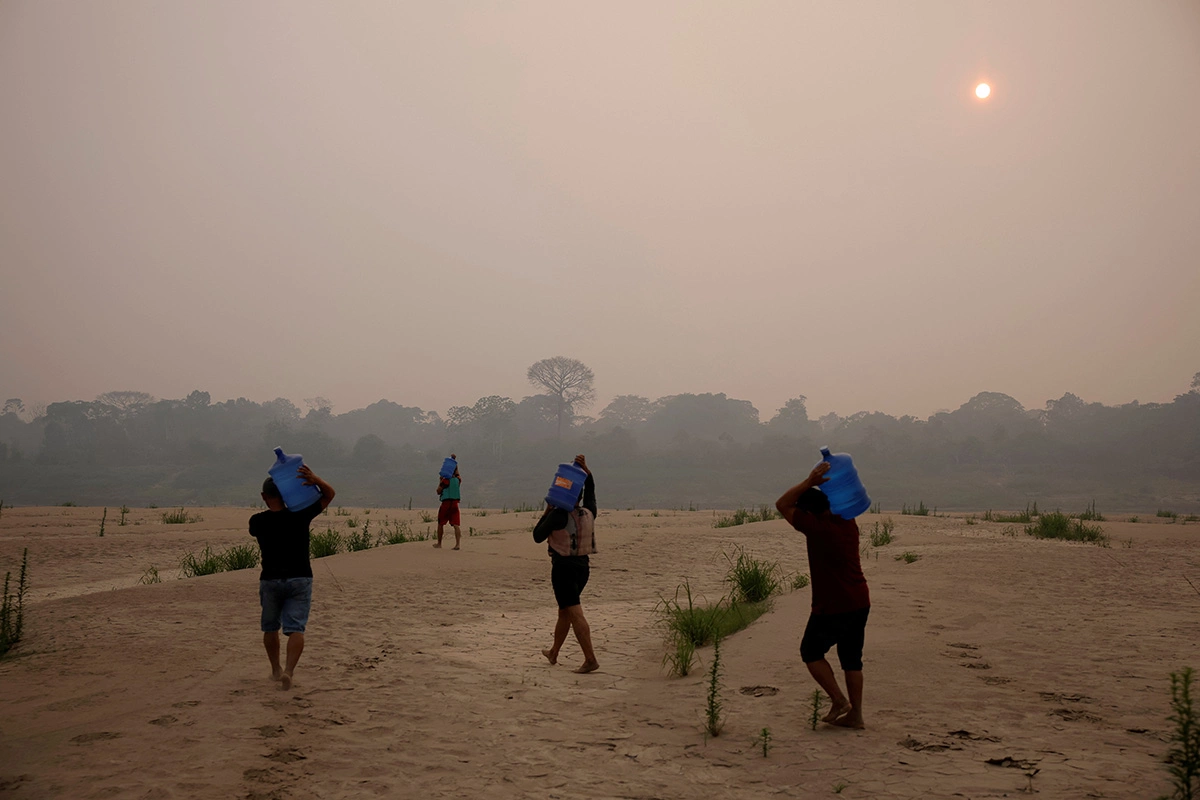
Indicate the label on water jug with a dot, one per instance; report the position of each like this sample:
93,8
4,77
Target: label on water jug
562,483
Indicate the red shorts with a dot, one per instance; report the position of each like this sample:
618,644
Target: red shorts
448,513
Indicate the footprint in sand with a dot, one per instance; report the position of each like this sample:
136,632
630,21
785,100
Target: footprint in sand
87,738
286,755
169,719
270,731
186,704
1074,715
759,691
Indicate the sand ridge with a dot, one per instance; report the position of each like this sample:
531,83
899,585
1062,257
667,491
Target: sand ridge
989,658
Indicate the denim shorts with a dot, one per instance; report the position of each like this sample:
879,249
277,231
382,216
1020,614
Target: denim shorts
285,602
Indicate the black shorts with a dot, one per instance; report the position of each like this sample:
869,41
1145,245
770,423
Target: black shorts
845,630
568,576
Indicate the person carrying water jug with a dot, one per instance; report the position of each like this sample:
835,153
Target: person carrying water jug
450,490
571,538
840,598
285,584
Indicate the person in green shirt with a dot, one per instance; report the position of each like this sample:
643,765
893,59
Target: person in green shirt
450,490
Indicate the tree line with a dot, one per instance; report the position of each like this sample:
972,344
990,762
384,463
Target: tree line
684,450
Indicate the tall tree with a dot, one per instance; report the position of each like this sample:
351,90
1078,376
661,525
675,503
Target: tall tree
125,402
568,381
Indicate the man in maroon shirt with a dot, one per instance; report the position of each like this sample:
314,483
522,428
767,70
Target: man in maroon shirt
840,600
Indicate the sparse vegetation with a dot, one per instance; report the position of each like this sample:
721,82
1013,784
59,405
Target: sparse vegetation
817,702
150,576
970,520
713,723
103,519
689,624
12,607
908,557
207,562
752,580
180,517
426,517
744,516
517,509
877,508
763,741
919,510
241,556
352,522
1057,525
124,512
69,504
881,533
1090,513
839,787
1133,518
341,512
1183,758
324,543
800,580
360,540
1025,516
1171,515
400,533
481,512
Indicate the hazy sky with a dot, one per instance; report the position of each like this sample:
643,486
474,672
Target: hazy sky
417,200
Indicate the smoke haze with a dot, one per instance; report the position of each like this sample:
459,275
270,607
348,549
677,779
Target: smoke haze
417,201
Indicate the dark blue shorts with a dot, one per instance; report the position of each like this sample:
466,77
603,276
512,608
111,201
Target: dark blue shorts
847,631
285,603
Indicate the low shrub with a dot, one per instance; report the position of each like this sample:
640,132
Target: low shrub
689,625
241,556
1057,525
324,543
180,517
881,533
753,581
207,562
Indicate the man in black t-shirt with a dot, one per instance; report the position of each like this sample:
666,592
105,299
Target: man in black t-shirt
285,585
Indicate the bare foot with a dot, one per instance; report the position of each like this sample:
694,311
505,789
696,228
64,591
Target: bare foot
838,710
277,674
851,719
551,657
588,666
437,544
285,681
455,547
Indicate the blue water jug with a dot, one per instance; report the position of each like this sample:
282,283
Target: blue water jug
568,485
449,465
296,496
847,497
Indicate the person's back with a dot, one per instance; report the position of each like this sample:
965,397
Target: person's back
285,583
283,537
838,583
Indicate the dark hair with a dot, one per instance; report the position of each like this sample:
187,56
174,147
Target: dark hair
813,500
270,489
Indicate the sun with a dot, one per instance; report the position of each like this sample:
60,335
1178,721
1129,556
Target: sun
982,91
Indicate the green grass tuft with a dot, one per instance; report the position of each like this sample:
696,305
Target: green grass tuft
881,533
753,581
180,517
1057,525
324,544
